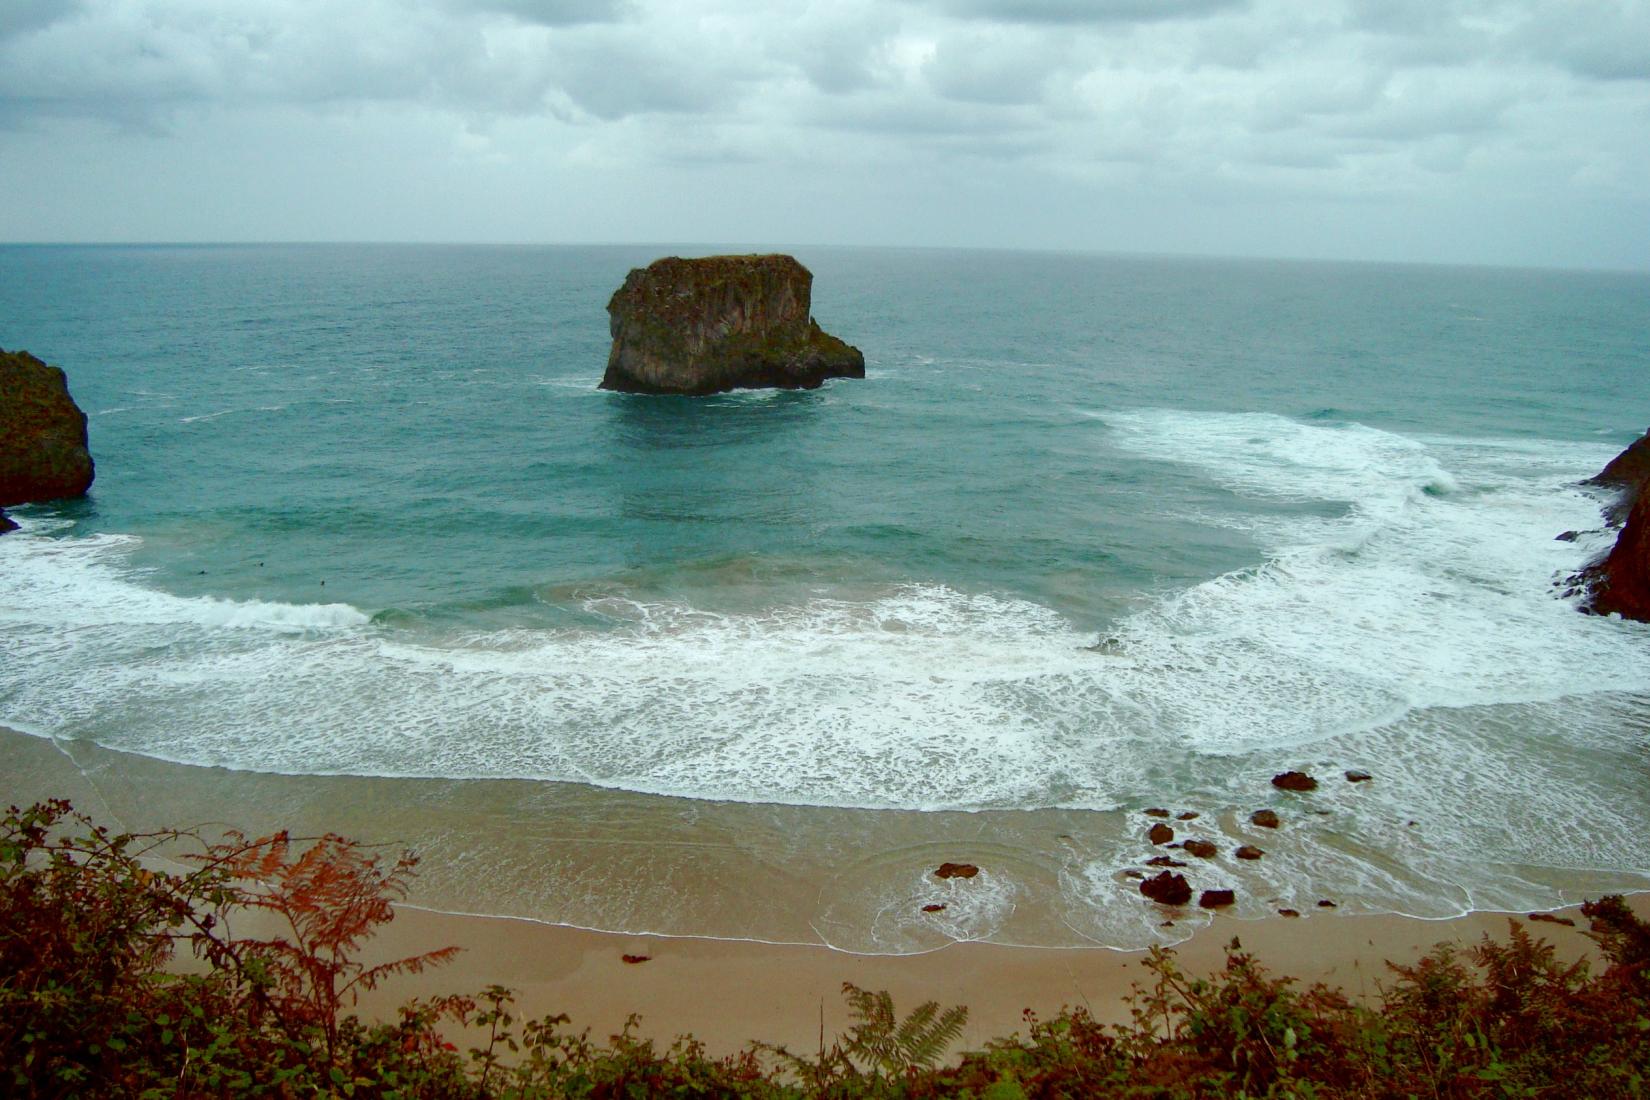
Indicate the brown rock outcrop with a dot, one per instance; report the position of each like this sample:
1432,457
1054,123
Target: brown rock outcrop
6,523
1620,583
719,323
43,453
1216,899
1294,781
1627,474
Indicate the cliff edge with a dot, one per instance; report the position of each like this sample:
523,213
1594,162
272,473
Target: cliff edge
43,453
1620,582
719,323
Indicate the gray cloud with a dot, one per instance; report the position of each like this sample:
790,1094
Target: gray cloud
1143,104
1084,11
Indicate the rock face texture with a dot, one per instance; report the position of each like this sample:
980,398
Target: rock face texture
1621,582
43,452
1627,473
721,323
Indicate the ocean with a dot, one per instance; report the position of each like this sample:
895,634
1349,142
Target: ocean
368,550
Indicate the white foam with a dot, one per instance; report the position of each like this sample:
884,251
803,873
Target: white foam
1430,590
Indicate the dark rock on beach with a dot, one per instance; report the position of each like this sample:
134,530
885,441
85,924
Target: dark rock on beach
1160,834
6,523
933,908
1358,777
1189,815
956,870
1266,819
43,453
1164,861
1203,849
1167,888
1155,811
1216,899
1248,851
1294,781
1289,912
719,323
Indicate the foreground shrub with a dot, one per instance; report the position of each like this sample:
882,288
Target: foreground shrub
121,978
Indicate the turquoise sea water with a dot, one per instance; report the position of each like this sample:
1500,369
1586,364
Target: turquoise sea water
1095,533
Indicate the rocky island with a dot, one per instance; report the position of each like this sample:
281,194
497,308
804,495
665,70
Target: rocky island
719,323
43,453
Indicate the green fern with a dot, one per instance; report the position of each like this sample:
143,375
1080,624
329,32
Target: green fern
879,1042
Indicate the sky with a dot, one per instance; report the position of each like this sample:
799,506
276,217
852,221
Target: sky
1457,131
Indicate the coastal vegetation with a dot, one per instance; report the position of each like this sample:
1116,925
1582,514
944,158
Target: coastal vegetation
174,964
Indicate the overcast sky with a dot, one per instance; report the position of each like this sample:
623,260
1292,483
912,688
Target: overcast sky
1476,131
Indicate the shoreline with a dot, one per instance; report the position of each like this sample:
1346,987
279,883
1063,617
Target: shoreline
729,993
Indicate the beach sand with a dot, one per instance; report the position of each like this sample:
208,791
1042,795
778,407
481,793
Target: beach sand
728,993
725,992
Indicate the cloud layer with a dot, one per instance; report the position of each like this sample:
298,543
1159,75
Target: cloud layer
1480,130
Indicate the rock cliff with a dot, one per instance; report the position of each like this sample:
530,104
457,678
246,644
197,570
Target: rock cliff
719,323
43,452
1627,474
1621,581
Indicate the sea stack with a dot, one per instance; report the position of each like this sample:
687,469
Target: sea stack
719,323
1620,583
43,453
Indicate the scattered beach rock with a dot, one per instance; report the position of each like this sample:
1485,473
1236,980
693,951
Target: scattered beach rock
1167,888
1203,849
632,960
1156,811
43,453
1189,815
719,323
1294,781
6,523
1216,899
1550,919
1325,903
1566,536
1164,861
933,909
1358,777
1289,912
1248,851
1266,819
1160,834
1132,873
956,870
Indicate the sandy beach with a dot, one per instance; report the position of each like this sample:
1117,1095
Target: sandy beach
729,992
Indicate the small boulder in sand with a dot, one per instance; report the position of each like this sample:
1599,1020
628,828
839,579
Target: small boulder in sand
1294,781
1156,811
1216,899
1160,834
933,908
1248,851
1358,777
1266,819
1164,861
1203,849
